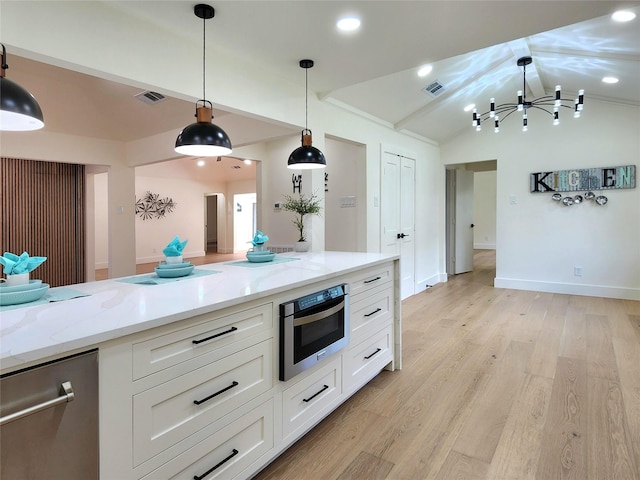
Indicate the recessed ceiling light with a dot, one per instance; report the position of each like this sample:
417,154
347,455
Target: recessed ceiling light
610,80
200,163
348,24
425,70
623,16
469,107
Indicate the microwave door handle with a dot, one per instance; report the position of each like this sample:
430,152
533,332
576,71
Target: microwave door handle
314,317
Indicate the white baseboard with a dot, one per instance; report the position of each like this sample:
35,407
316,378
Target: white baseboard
430,282
484,246
152,259
568,288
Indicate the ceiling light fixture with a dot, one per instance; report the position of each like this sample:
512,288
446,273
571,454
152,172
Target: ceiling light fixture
610,80
623,16
203,138
306,157
348,24
19,109
425,70
554,101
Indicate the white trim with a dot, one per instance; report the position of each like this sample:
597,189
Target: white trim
569,288
431,281
484,246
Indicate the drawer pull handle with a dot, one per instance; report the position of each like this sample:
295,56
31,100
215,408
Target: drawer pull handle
198,402
232,329
372,313
66,395
205,474
372,280
374,353
315,394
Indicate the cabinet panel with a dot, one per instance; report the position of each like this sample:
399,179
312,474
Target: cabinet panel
167,413
370,311
305,401
227,453
213,333
364,361
369,278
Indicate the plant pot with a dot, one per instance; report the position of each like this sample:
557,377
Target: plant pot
301,246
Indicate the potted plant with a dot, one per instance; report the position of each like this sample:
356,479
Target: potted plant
301,206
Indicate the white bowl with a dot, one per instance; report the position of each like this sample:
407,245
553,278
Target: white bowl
177,259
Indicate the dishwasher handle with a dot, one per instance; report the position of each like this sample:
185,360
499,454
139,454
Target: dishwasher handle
66,395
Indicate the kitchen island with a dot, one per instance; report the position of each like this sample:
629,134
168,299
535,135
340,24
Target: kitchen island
148,364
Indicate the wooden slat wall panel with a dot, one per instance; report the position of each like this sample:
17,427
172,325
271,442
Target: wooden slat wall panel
42,213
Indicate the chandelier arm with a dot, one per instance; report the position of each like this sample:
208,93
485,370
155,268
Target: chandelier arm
543,109
507,115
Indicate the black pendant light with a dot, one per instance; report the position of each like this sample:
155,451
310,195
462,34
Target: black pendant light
203,138
306,157
19,109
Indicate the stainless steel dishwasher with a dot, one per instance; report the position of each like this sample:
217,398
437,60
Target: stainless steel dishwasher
49,420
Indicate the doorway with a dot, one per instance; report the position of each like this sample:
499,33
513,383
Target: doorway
211,224
474,205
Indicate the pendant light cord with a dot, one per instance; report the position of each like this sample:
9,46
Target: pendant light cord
204,56
306,97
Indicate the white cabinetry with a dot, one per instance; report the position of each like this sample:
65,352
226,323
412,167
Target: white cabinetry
312,398
200,397
194,394
371,342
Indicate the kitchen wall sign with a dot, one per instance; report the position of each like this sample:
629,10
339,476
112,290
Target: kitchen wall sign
605,178
152,206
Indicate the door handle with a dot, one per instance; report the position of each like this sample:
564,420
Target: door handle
472,225
66,395
402,235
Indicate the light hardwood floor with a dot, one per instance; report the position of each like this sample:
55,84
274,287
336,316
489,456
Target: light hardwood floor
103,273
497,384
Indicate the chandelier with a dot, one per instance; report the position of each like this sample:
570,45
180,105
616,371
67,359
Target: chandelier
548,103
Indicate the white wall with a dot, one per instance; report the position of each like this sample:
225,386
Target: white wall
484,210
101,220
346,168
539,241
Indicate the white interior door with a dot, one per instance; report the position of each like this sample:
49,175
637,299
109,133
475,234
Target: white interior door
398,216
463,221
390,203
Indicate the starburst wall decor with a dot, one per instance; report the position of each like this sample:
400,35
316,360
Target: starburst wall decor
152,206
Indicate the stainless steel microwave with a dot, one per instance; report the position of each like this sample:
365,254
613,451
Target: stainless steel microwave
312,328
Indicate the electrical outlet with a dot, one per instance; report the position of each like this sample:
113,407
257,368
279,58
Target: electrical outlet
577,271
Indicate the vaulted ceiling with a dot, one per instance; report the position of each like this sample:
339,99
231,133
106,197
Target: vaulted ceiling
472,47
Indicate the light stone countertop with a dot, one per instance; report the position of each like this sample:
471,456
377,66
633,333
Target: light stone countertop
115,309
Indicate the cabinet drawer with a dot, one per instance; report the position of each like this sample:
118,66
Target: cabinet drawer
213,332
251,436
370,278
364,361
370,312
167,413
309,399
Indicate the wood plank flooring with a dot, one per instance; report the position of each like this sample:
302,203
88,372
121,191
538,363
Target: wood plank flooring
103,273
497,384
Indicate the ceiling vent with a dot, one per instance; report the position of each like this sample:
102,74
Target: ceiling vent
150,97
434,89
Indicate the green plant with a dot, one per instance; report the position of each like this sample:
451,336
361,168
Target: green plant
301,206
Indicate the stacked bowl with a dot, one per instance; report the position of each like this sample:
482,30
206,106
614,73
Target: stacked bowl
174,270
260,256
17,294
